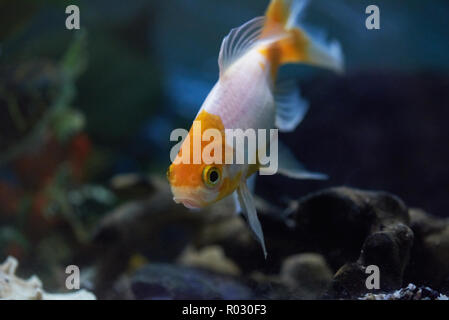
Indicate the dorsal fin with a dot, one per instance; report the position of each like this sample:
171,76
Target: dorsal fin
239,41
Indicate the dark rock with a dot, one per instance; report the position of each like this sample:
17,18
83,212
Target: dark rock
429,262
351,228
348,282
354,229
165,281
337,221
210,258
307,275
346,229
388,250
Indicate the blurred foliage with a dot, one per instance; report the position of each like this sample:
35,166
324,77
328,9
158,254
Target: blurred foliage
35,94
47,208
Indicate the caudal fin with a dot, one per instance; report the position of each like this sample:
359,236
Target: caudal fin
292,44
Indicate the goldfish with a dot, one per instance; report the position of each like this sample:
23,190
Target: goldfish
248,95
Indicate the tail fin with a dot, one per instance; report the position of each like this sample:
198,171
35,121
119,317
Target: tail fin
294,45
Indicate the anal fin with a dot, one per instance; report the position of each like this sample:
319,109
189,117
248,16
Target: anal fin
248,207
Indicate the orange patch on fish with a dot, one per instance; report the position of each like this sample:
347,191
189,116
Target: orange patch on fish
190,174
277,14
273,55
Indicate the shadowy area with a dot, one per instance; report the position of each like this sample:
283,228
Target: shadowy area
374,130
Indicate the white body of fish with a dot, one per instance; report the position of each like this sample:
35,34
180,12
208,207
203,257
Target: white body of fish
246,96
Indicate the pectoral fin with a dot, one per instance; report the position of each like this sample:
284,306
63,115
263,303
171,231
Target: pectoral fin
289,166
290,107
251,185
249,210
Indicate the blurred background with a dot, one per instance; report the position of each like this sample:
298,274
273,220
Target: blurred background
81,109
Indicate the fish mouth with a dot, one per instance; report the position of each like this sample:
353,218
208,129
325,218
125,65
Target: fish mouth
188,203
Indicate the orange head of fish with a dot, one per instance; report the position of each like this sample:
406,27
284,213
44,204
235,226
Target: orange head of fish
199,183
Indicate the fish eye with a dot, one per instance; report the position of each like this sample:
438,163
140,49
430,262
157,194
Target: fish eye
211,176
